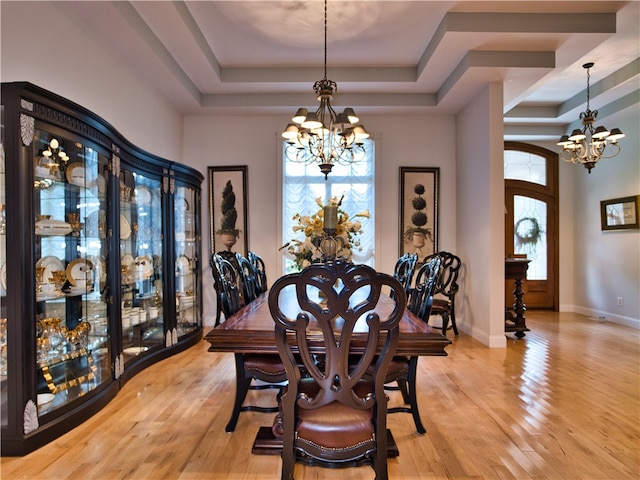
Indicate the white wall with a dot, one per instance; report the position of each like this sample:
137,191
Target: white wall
41,45
607,263
480,216
219,141
410,141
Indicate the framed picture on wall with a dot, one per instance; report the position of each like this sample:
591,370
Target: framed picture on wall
620,213
419,210
228,209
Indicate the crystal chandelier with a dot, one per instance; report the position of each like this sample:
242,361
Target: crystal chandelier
591,144
325,137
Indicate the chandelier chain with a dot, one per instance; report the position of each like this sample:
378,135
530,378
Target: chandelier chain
588,88
324,136
325,39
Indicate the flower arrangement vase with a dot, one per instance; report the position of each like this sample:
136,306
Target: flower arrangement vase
330,246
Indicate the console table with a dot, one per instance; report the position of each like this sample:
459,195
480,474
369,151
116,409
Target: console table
516,269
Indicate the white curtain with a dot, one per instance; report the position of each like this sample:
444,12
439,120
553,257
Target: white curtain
302,184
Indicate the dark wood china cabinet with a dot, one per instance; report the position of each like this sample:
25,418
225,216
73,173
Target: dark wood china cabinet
100,249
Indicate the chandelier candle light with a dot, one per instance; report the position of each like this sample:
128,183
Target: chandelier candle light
325,137
330,245
330,218
591,144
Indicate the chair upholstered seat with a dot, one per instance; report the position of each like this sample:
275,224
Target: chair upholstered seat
397,367
440,305
349,430
332,426
335,425
265,365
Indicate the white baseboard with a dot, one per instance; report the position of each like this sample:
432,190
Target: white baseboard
606,316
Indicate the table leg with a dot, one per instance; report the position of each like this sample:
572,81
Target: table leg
519,307
516,323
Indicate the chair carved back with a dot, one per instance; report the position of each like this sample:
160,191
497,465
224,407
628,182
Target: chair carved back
227,279
404,268
217,287
447,281
260,271
248,279
333,298
214,272
421,298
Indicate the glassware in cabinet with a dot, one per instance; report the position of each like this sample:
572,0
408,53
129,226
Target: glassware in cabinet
141,250
71,314
186,254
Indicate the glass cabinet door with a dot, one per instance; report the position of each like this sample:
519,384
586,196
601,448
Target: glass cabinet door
71,316
141,247
3,283
186,252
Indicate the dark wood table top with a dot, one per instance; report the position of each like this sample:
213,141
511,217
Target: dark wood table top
516,267
251,330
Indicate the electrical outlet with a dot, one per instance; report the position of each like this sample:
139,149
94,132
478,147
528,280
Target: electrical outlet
620,301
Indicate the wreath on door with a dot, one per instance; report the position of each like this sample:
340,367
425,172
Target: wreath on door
527,231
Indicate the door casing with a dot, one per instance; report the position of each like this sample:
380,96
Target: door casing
543,294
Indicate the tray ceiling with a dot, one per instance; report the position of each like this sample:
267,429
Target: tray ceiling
221,57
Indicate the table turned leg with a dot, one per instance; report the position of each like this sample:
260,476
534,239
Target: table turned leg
519,308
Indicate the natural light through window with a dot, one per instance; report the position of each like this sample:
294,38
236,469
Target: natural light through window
525,166
303,184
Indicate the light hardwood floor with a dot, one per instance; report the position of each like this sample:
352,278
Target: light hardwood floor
563,403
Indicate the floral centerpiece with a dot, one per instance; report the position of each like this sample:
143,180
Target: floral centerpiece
308,251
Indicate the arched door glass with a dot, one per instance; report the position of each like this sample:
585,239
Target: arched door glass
525,166
529,234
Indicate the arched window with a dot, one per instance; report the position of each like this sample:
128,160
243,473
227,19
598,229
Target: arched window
303,184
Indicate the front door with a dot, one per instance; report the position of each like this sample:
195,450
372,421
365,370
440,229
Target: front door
531,221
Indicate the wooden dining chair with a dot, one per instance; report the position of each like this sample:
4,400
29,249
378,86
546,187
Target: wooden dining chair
403,369
267,368
248,279
259,270
335,414
420,302
444,294
225,284
403,270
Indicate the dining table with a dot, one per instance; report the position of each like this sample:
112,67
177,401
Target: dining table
252,330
